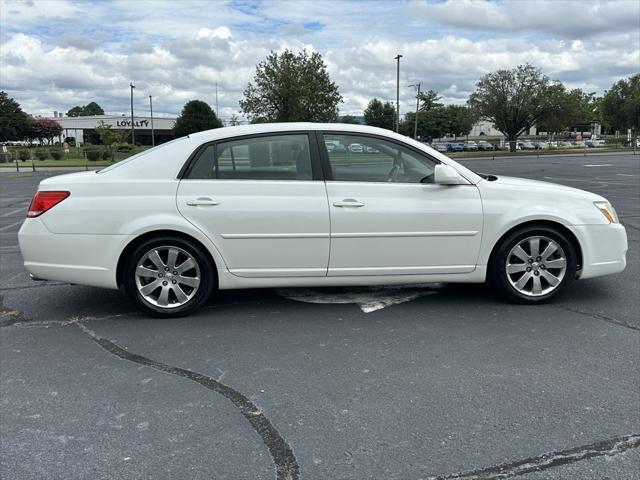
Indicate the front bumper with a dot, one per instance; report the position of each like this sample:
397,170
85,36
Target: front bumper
80,259
604,249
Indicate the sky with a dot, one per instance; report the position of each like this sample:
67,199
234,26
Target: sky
55,54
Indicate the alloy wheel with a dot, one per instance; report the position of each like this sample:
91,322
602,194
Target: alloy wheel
536,266
167,276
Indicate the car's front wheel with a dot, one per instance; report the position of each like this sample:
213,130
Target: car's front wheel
168,276
533,264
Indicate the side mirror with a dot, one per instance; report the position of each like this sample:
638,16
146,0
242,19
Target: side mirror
447,175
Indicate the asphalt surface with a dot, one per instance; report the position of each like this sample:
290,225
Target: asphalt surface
261,384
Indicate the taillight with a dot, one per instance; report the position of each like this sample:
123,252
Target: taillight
43,201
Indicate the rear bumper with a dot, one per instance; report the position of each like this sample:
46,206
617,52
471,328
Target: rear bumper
80,259
604,249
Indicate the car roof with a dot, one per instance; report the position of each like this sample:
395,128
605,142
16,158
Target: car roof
241,130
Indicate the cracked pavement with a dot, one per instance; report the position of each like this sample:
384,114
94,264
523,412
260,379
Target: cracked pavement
454,384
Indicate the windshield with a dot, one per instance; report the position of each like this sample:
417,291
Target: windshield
138,155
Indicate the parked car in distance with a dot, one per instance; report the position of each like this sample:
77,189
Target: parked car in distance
565,144
440,147
579,144
339,148
268,205
596,143
330,146
527,145
484,146
470,146
505,146
454,147
356,148
540,144
369,149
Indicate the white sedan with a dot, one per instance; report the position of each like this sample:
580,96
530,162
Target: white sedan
271,206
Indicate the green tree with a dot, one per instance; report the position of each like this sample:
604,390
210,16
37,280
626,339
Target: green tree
107,135
514,100
588,111
460,119
378,114
569,110
14,123
431,124
621,105
430,100
434,119
255,120
88,110
93,108
348,119
76,111
196,116
561,112
291,87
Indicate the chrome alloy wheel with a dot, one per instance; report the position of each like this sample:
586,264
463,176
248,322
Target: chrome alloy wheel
167,276
536,266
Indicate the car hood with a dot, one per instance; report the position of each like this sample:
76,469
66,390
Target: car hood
525,183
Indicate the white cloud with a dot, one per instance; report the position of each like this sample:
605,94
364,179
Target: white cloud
178,54
566,19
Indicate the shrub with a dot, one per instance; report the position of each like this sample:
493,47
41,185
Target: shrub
57,154
42,154
107,154
125,147
93,154
24,154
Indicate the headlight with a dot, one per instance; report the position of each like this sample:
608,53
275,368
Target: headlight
608,211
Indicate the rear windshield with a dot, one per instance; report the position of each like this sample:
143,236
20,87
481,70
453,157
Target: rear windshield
138,155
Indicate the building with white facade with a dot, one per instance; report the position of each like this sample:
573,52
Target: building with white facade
83,129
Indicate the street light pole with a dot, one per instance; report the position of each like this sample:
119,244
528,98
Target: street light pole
133,141
415,124
153,139
217,114
398,57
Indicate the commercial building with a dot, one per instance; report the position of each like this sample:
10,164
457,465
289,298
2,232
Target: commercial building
83,129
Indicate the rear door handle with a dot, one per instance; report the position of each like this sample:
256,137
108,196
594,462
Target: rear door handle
348,202
202,201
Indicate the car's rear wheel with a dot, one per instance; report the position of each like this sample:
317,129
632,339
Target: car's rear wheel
168,276
533,264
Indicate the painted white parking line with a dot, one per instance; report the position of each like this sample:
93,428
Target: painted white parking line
7,227
599,165
625,175
368,299
602,183
12,212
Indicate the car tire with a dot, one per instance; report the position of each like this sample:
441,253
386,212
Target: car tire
172,282
524,273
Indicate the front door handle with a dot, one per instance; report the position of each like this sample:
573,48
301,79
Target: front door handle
348,202
202,201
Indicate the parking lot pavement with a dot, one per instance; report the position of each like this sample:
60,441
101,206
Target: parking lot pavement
451,384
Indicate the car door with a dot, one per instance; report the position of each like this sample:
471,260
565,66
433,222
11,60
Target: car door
262,201
389,218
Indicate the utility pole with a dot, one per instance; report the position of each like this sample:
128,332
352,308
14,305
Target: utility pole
415,124
398,57
153,139
133,141
217,114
